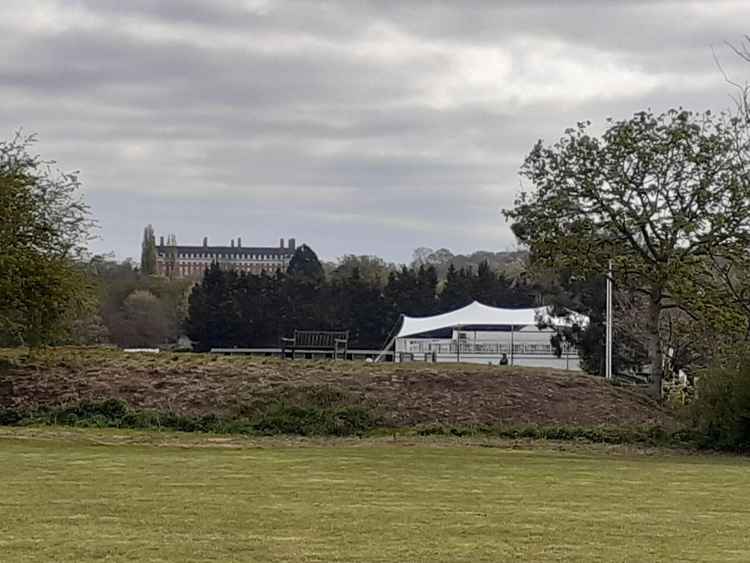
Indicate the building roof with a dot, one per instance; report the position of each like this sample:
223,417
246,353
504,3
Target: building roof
228,249
476,314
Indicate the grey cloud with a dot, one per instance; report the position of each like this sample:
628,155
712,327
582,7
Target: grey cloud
351,125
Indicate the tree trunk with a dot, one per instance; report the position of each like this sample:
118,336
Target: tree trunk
654,345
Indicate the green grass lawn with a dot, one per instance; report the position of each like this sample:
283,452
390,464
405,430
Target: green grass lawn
67,498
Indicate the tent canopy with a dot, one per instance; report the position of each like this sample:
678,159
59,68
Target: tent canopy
478,314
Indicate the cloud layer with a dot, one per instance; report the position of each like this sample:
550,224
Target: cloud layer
365,127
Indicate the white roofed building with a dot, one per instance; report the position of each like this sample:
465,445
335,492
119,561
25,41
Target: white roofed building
481,334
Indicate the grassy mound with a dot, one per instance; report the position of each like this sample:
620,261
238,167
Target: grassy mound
267,395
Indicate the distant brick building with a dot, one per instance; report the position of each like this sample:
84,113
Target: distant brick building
191,261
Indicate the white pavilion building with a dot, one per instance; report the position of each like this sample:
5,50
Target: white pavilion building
481,334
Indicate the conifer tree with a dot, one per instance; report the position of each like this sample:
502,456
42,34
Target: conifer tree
456,291
148,251
305,265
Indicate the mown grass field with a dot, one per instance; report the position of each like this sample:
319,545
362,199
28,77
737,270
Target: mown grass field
81,496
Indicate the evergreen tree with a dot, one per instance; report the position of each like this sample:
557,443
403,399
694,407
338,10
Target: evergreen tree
456,291
171,258
305,265
400,292
214,319
485,287
363,305
148,251
426,297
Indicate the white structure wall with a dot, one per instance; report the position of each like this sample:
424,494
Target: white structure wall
515,333
530,347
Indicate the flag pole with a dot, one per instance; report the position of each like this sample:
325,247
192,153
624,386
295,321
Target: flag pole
608,364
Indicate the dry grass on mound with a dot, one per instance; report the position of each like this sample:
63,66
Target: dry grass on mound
405,395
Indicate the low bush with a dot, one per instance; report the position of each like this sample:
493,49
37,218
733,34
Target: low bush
649,435
282,418
10,417
308,411
273,418
720,413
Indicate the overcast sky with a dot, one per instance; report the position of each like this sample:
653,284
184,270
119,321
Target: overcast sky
357,127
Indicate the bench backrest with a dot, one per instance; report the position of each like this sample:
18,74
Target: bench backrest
318,339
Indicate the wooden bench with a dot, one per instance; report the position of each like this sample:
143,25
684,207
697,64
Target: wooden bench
335,340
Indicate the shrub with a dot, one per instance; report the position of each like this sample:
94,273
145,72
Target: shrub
109,412
275,417
283,418
650,435
721,410
10,417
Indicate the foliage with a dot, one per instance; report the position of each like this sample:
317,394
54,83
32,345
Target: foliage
568,293
128,316
412,292
143,321
148,251
508,263
646,435
305,412
305,265
44,226
373,270
657,194
721,410
230,308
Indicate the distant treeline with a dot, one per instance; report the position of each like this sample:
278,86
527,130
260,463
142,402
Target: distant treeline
232,308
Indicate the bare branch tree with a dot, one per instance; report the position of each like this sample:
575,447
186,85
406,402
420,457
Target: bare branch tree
742,96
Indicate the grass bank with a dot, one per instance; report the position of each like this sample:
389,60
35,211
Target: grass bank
401,395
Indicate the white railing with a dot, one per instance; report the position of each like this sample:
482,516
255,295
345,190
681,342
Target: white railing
489,348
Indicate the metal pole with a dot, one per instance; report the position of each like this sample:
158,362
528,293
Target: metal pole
608,364
512,346
458,343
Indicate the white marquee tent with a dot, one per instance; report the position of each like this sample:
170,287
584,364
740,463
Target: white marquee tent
476,314
480,328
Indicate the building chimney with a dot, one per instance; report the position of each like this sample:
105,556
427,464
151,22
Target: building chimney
161,241
232,243
292,244
281,243
239,243
205,242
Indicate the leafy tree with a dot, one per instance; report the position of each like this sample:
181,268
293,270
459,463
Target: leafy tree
508,263
44,226
373,270
587,296
148,251
142,321
657,194
424,256
116,281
